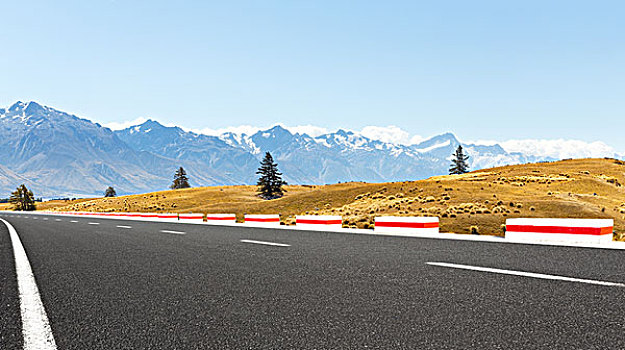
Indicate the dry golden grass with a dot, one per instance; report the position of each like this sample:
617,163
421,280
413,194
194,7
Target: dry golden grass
584,188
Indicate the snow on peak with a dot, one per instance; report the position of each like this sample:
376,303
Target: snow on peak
433,147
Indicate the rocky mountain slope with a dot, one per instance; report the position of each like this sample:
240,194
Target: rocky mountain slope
59,154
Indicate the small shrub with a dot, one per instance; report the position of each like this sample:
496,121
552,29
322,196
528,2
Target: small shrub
503,228
532,209
519,205
474,230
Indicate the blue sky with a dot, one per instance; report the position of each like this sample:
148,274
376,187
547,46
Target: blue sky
485,70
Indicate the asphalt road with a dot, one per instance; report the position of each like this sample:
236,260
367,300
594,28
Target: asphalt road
201,287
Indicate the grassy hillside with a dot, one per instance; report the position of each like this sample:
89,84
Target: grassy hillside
584,188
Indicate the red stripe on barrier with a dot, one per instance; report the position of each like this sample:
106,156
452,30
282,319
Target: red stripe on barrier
318,222
220,218
406,224
149,215
167,216
191,217
262,220
596,231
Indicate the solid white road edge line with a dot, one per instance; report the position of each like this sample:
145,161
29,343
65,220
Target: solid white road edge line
173,232
526,274
265,243
122,226
94,223
35,325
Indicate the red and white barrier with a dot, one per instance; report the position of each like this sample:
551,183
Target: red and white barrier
318,222
133,216
191,218
167,217
220,219
594,231
148,216
406,225
262,220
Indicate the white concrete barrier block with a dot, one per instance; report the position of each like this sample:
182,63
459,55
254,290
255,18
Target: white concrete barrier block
191,218
148,217
262,220
593,231
133,216
406,225
221,219
318,222
167,217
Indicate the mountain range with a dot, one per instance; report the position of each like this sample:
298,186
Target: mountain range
58,154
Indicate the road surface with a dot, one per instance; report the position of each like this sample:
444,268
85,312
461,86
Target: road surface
115,284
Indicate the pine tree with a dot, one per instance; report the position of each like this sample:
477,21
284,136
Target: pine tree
459,163
270,182
23,199
180,180
110,192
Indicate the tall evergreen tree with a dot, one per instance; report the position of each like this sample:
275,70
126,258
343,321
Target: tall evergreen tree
110,192
270,181
23,199
180,180
459,163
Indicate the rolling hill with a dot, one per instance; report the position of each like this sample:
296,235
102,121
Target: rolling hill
584,188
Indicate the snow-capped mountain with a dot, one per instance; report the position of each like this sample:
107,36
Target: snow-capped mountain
59,154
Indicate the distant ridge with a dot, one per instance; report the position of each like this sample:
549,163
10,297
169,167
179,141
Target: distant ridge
62,155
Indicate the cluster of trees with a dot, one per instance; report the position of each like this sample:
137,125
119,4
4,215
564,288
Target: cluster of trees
269,182
22,199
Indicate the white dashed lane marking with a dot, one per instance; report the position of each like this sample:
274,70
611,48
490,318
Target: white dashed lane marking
173,232
122,226
265,243
526,274
73,221
94,223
